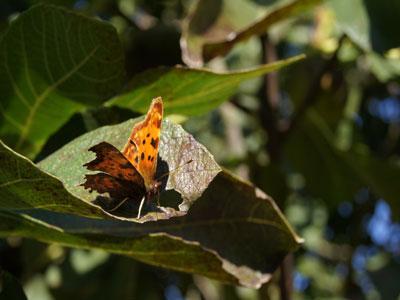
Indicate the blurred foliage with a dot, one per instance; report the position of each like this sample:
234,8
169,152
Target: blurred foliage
321,136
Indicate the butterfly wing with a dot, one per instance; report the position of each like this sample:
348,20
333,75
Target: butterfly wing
119,177
116,188
142,146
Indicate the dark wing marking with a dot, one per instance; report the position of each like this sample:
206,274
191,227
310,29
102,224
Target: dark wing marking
117,188
111,161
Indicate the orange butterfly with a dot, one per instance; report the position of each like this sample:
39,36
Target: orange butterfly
130,174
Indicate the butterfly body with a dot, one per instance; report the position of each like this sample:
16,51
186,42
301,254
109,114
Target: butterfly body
129,174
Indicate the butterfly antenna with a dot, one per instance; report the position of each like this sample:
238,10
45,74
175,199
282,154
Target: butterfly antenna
174,170
119,204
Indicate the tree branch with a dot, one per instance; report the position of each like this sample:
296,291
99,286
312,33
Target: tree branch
270,101
269,115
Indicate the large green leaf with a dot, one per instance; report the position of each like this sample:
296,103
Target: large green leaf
189,91
336,175
207,35
53,63
233,232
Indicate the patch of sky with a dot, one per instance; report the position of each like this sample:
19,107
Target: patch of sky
382,230
172,292
387,109
300,281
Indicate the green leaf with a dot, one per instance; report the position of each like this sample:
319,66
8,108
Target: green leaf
24,186
206,35
236,236
10,288
189,91
372,25
54,63
233,232
212,21
336,175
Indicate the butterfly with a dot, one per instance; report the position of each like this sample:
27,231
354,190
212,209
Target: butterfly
129,174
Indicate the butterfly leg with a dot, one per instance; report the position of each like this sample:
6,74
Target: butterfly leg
158,203
158,199
140,207
118,205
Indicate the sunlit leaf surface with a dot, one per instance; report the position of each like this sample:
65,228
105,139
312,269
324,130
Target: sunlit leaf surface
189,91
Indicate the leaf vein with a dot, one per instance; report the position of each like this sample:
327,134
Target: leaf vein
46,92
